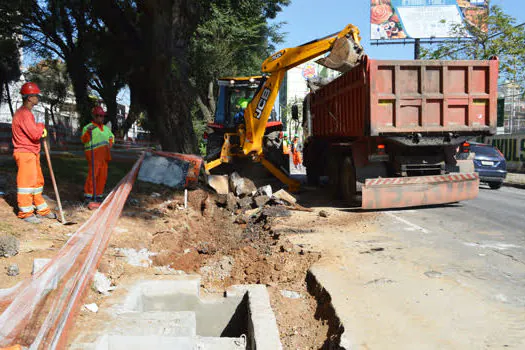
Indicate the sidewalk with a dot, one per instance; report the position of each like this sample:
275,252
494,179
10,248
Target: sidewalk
515,180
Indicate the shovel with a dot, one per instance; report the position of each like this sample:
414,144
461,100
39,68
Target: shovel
93,204
62,219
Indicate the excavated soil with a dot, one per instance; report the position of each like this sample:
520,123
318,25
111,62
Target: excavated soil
225,248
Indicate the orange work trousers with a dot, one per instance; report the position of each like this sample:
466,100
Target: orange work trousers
296,157
101,172
30,184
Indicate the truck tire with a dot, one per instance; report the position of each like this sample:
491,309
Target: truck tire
348,180
333,169
495,185
312,175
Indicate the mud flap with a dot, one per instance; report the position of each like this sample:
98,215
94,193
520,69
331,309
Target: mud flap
345,55
404,192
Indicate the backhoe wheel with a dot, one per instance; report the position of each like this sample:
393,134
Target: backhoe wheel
333,169
348,180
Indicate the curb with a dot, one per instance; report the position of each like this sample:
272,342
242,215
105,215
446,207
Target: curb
515,185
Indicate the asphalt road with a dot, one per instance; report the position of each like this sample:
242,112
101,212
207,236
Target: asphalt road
444,277
488,231
480,246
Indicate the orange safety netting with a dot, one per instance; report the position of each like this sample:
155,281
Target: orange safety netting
39,312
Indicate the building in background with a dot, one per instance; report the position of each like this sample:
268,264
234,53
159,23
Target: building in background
514,107
295,88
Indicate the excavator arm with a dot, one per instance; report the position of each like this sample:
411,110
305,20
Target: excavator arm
345,53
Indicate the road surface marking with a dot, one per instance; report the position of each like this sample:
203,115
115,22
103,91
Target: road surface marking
406,222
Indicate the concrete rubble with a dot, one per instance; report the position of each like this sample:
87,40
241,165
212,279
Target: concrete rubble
13,270
9,245
102,284
245,200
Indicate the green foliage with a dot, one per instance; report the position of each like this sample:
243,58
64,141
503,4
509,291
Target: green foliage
199,125
9,45
52,78
503,39
233,40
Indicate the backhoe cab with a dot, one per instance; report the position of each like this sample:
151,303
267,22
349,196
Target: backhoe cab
248,137
234,95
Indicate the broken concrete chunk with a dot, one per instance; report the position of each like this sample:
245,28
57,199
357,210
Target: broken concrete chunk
221,200
260,201
240,186
285,196
231,202
245,203
219,183
91,307
9,245
13,270
102,284
264,191
155,195
290,294
276,212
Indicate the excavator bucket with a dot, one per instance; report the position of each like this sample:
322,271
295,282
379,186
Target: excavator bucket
344,56
384,193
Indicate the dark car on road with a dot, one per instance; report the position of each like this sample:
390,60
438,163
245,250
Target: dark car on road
489,162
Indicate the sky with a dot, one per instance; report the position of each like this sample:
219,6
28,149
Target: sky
311,19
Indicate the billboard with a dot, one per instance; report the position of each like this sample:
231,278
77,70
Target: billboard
401,19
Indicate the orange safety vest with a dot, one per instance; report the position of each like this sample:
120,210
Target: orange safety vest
286,148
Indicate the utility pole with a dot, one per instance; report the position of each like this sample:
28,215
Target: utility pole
417,49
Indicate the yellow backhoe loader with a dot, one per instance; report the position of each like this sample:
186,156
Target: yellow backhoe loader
246,137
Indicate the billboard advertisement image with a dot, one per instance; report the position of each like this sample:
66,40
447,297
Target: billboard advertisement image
401,19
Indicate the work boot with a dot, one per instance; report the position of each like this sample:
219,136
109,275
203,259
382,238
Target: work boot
48,216
32,219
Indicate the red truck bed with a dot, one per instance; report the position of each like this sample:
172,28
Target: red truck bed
386,97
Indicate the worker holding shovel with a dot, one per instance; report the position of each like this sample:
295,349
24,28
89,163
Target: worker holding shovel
97,139
27,132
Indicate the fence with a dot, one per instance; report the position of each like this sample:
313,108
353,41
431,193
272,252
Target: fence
512,147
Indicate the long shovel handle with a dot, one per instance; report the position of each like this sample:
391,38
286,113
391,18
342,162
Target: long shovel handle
93,166
54,182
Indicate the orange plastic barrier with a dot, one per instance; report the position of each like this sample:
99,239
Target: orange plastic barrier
39,312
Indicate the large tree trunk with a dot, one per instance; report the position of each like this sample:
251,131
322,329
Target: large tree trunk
174,125
79,79
134,110
172,26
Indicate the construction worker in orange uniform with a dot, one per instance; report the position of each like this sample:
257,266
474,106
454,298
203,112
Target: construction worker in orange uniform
296,155
27,133
286,144
98,140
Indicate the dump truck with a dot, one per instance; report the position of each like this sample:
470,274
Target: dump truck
386,132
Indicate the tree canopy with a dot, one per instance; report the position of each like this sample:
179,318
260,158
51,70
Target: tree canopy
166,51
504,39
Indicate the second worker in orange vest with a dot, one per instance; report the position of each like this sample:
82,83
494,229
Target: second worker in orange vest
98,140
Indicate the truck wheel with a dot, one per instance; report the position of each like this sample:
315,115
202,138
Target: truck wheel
333,169
348,180
312,176
495,185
